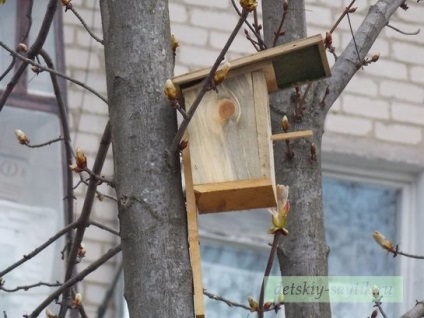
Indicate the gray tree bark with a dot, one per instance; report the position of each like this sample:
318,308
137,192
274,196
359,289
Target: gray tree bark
157,272
304,251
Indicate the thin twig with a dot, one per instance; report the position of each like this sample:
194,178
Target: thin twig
100,179
402,32
268,268
102,226
45,143
109,293
353,37
32,52
40,248
258,37
228,302
378,304
277,33
85,24
85,213
63,116
75,279
29,17
346,11
28,287
9,68
47,69
408,255
172,152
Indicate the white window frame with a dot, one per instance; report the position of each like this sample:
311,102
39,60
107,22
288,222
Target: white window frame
409,220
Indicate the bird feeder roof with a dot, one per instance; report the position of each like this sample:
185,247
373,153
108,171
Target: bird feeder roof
284,66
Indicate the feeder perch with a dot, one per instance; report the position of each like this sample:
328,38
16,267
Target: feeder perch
230,144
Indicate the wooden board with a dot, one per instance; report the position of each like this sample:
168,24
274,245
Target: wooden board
224,132
193,238
294,63
292,135
235,195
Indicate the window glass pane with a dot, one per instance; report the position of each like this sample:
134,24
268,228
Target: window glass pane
233,272
7,35
353,211
31,205
41,83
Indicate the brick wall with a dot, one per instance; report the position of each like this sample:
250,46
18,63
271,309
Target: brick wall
380,115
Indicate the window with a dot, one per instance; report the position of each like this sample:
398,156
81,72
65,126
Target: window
356,203
31,180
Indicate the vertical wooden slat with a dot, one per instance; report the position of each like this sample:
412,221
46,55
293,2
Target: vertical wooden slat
193,237
263,125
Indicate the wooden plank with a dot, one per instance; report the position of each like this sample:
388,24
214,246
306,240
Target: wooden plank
193,237
292,135
316,62
223,139
235,195
263,125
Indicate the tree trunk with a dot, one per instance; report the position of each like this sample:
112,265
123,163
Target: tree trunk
157,272
304,251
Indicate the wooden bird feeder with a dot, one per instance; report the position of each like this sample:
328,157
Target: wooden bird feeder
229,136
228,163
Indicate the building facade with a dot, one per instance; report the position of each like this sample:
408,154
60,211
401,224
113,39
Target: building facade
373,148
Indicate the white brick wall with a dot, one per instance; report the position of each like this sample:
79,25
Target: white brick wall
383,103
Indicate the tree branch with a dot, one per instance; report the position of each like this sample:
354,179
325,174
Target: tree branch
416,312
33,51
52,71
75,279
85,213
40,248
347,64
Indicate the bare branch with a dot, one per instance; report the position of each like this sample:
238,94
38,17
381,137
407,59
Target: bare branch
228,302
40,248
75,279
9,68
258,37
403,32
51,71
28,14
71,7
102,226
268,268
45,143
86,211
416,312
28,287
345,11
346,65
63,116
109,293
33,51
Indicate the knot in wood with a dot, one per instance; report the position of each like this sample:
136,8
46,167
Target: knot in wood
226,110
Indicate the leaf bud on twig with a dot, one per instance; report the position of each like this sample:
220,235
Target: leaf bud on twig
253,304
248,5
285,124
221,73
81,159
49,313
174,42
382,241
22,47
170,90
22,137
77,301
